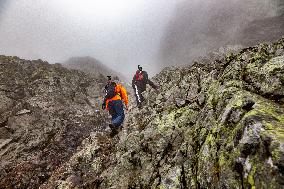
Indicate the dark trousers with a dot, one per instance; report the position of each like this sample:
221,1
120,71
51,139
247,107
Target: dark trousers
116,111
138,95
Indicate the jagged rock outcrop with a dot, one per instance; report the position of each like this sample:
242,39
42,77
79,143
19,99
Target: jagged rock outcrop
215,124
45,113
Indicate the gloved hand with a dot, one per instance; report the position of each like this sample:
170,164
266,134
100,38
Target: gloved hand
104,106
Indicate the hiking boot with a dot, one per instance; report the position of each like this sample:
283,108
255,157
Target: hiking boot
111,126
120,128
114,130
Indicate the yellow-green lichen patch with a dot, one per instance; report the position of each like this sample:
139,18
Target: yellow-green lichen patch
273,64
165,122
275,115
96,164
63,185
171,179
251,178
175,119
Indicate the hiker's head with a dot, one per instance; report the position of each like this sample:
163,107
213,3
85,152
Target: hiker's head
109,80
139,67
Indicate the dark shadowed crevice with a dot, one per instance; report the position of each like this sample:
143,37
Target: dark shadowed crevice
4,123
183,178
238,167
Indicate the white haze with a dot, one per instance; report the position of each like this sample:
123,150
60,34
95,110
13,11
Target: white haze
199,27
119,33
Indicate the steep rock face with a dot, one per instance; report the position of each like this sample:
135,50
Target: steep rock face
215,124
45,113
218,124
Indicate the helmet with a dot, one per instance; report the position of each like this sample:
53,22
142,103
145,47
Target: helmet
139,67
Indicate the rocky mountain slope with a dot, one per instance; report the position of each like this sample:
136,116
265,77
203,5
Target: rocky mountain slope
45,113
216,124
91,66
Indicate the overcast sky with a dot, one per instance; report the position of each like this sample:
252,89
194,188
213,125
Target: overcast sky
119,33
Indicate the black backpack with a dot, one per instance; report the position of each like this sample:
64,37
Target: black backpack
110,91
139,76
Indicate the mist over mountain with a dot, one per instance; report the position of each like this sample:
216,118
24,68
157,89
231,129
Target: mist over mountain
121,33
199,27
92,66
125,33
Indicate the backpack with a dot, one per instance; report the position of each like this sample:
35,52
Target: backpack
139,76
110,91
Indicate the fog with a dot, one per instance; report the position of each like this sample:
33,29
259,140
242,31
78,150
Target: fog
120,33
124,33
199,27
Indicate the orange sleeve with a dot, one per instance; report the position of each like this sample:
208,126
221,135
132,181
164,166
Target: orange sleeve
124,96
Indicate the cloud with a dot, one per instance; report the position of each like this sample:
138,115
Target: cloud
199,27
120,33
3,6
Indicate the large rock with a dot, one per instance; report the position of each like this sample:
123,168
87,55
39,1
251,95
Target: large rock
45,113
215,124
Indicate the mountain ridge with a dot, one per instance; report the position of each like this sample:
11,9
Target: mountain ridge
217,123
92,66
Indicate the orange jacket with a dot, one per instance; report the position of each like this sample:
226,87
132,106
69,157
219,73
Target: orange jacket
121,94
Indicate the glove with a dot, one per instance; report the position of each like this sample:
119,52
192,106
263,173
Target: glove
104,106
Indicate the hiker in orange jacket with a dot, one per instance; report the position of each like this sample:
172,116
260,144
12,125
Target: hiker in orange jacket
113,102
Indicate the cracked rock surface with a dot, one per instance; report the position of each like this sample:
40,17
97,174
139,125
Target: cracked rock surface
45,113
216,124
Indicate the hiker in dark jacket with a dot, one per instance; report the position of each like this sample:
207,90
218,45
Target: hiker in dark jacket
114,98
139,82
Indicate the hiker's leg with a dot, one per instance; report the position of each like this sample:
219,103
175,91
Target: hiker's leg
119,118
137,93
141,96
114,115
112,111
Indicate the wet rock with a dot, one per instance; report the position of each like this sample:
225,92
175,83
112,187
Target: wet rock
215,124
45,115
224,136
